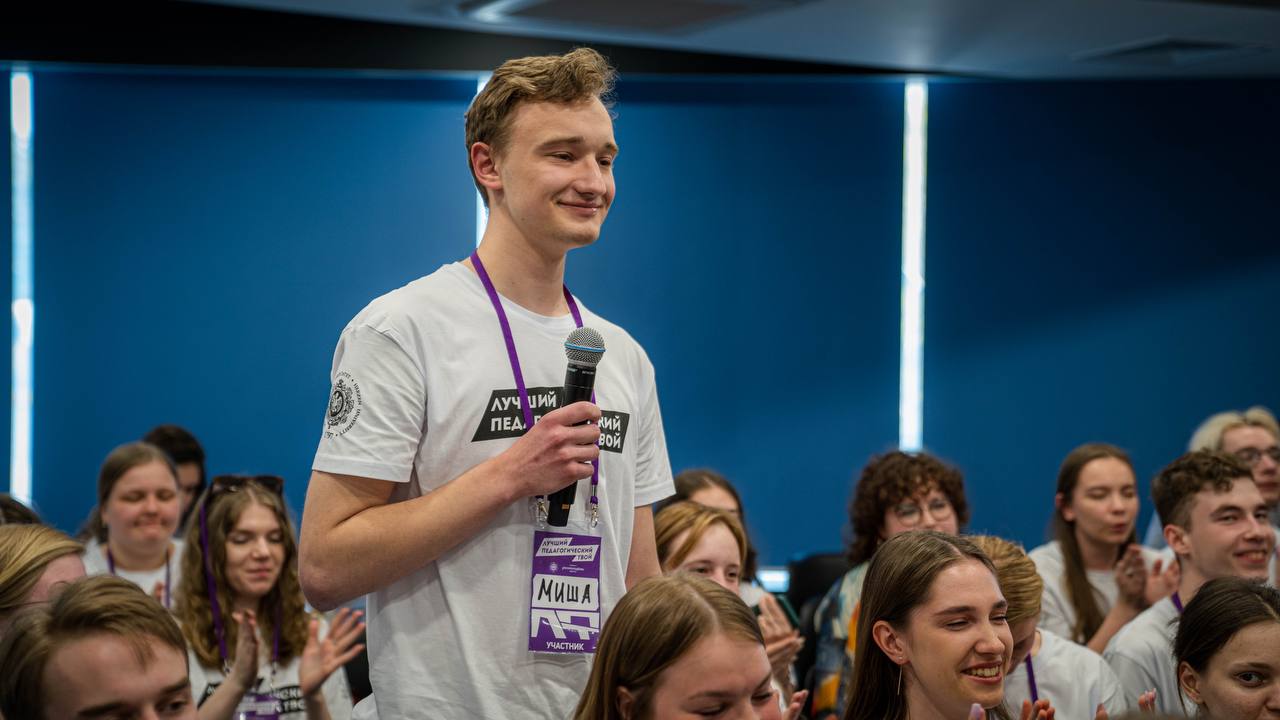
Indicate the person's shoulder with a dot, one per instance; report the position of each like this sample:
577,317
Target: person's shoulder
1070,652
1048,555
1152,628
415,299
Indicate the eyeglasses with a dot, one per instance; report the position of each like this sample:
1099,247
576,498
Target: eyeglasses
220,484
1252,456
910,514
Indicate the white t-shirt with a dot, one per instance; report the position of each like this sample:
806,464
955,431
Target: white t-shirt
1141,654
95,563
1057,614
422,391
1072,677
282,684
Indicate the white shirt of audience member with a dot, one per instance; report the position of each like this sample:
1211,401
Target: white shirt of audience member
1227,534
1075,680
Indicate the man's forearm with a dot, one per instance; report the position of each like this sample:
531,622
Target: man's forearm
382,543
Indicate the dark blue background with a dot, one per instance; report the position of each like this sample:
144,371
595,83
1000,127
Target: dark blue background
1102,264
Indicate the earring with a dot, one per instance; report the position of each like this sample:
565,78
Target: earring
899,680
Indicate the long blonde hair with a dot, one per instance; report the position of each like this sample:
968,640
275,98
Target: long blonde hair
192,605
652,627
25,552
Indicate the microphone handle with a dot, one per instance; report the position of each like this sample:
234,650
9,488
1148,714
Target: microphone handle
579,381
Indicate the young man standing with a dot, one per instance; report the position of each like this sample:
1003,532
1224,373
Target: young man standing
1215,521
443,434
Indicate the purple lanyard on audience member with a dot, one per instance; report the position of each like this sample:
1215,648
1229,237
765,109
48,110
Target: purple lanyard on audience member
1177,601
520,387
168,585
210,584
1031,678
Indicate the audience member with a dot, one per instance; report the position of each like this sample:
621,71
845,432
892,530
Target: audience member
1074,679
708,487
240,570
1252,437
934,640
1096,576
188,458
1228,650
36,562
13,512
681,647
103,648
1216,523
130,532
896,492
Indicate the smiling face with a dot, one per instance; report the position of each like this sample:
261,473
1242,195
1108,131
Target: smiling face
103,676
956,645
716,557
1104,504
554,183
1257,447
1242,680
721,676
1228,534
255,554
143,508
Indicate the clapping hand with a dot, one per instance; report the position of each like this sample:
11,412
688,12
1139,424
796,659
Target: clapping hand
322,656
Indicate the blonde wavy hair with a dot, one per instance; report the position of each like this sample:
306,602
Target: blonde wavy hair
1208,436
1019,581
576,76
192,606
679,517
25,552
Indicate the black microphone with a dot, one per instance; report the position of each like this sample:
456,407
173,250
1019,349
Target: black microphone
584,348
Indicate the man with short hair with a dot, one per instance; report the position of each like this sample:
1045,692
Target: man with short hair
445,434
103,648
1215,521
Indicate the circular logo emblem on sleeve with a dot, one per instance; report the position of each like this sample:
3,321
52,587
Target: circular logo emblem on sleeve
344,405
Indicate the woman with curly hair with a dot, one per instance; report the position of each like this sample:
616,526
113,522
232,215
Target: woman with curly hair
896,492
253,647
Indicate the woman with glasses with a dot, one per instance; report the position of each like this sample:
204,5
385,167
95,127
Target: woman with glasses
254,649
130,532
1096,577
896,492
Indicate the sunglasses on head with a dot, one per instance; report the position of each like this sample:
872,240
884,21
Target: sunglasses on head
220,484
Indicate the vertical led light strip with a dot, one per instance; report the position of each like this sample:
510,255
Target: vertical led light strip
20,135
482,214
914,171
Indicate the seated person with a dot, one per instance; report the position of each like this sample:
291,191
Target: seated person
103,648
188,458
681,646
1073,678
1228,650
934,640
241,574
1096,576
1253,437
1216,523
130,532
36,562
896,492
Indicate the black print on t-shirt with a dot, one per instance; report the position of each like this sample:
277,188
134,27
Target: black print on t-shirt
503,419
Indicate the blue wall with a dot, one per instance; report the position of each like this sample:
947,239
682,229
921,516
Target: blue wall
1099,266
1103,265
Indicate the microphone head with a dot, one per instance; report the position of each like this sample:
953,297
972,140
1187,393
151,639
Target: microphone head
584,346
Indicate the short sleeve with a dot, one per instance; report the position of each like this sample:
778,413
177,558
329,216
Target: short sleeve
653,467
376,417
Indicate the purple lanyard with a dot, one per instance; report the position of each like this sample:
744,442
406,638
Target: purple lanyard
211,584
1177,601
168,589
520,387
1031,678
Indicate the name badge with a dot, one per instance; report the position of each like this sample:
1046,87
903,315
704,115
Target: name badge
564,607
257,706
